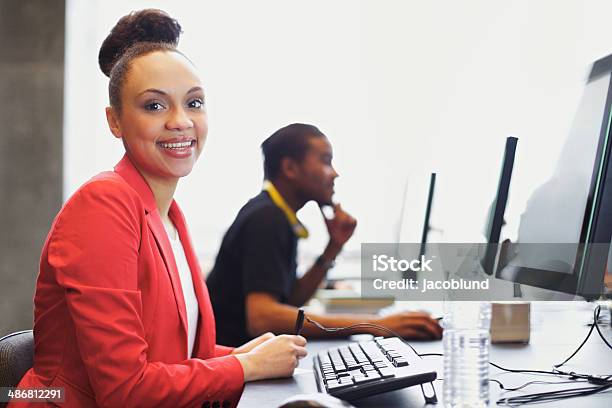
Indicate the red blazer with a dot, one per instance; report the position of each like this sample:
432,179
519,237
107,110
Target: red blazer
110,323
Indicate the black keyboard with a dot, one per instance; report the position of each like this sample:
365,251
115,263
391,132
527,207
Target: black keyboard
371,367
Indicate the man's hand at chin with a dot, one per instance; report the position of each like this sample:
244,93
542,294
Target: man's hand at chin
340,229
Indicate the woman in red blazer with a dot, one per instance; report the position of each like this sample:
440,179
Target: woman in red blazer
111,320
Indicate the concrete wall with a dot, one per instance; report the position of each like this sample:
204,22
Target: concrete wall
31,134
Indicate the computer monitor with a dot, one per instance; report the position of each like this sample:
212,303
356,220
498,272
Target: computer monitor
597,228
564,232
427,218
498,208
425,229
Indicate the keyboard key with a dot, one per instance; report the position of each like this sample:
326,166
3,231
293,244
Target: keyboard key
355,373
368,368
338,365
361,380
362,358
400,362
386,372
338,386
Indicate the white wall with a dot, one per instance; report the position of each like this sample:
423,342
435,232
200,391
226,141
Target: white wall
401,88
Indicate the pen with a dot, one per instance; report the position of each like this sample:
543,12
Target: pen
299,322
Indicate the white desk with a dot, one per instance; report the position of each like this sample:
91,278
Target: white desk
557,329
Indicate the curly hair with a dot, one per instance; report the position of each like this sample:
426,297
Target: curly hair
136,34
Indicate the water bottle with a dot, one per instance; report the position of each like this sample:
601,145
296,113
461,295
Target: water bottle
466,354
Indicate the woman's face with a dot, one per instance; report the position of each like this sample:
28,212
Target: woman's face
162,122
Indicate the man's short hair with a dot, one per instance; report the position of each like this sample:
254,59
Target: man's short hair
290,141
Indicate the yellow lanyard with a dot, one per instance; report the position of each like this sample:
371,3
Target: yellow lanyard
280,202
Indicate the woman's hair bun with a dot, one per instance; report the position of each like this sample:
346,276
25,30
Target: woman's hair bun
149,25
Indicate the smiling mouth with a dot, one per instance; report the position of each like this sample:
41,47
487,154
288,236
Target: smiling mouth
177,145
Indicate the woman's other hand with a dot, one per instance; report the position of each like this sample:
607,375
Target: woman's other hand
276,357
246,347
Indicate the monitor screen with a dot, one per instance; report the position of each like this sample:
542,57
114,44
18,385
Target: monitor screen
551,223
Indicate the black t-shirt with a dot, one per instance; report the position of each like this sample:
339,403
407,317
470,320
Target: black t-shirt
258,254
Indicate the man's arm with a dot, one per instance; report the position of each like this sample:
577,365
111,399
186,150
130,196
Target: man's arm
305,287
266,314
340,229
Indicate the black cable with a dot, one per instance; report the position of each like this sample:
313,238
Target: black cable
602,383
601,334
559,372
393,333
520,387
553,395
510,370
593,326
353,326
357,325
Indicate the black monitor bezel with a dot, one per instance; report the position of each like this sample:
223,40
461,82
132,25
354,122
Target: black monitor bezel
426,221
496,221
579,282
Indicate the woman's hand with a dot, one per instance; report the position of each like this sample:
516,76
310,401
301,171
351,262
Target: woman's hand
246,347
274,358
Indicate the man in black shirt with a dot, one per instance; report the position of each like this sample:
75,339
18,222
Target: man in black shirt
253,285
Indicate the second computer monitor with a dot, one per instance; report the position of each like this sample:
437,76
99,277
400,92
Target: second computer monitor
496,216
